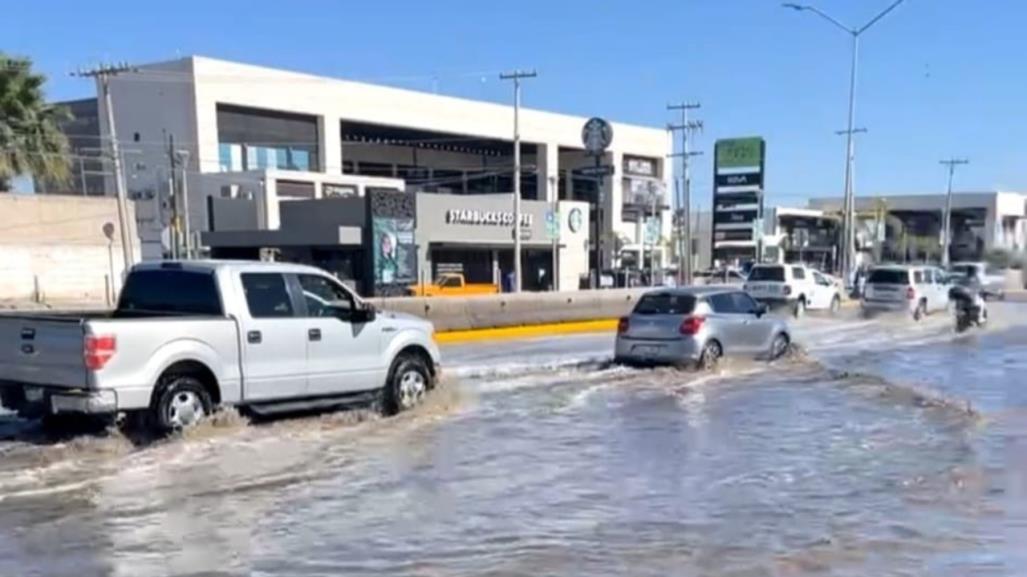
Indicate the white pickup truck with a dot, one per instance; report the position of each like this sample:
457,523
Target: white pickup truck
188,337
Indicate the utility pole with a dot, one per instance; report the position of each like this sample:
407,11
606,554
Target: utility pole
102,75
849,202
173,230
946,229
684,203
182,159
517,76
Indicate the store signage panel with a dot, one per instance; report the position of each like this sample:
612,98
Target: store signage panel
486,217
735,216
744,179
738,182
637,166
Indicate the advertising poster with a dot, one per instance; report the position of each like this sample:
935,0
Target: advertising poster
395,252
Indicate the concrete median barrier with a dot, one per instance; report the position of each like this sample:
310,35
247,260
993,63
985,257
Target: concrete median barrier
515,310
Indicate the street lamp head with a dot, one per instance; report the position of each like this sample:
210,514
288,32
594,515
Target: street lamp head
794,6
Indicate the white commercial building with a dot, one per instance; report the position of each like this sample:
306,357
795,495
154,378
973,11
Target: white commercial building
273,135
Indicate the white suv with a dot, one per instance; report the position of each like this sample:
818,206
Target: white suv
795,286
916,290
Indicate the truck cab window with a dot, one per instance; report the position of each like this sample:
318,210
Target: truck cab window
324,297
266,295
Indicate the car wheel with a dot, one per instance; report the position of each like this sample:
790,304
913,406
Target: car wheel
711,353
409,382
800,308
182,403
920,312
836,304
779,346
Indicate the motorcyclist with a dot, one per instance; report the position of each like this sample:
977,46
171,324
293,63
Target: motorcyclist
968,296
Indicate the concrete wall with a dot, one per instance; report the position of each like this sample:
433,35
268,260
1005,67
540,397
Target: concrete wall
53,248
490,311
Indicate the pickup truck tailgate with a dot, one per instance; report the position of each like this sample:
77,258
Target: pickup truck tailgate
42,351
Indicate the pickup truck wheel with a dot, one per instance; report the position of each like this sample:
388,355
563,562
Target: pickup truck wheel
409,381
800,308
182,403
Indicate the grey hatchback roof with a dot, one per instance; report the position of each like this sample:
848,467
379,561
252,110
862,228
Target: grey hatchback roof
697,291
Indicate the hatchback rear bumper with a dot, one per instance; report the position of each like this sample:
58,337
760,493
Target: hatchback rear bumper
657,352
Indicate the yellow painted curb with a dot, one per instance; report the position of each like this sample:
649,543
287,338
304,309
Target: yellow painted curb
527,331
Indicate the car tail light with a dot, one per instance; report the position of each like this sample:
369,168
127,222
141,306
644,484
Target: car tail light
622,325
99,349
691,325
787,290
910,293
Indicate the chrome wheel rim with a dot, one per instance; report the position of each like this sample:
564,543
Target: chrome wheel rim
412,387
780,346
710,356
185,409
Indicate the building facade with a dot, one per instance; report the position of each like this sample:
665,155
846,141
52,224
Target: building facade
277,136
906,228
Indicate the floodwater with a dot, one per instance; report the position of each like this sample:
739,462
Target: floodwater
886,449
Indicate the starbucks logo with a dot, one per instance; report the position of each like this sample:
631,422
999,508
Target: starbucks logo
574,219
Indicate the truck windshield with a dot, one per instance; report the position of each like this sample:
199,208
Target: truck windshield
768,273
170,291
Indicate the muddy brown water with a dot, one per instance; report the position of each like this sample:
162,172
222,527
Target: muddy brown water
885,450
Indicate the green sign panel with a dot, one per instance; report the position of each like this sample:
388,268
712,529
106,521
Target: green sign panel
740,152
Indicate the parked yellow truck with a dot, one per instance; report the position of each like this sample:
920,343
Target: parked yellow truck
452,284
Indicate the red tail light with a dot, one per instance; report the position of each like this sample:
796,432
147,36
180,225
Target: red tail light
910,293
98,350
622,325
787,290
691,325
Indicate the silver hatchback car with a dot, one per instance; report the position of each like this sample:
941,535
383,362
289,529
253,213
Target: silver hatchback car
697,326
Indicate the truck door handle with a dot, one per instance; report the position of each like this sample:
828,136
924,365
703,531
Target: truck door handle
314,334
253,337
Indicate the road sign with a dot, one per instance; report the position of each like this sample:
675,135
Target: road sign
596,135
596,171
553,225
652,230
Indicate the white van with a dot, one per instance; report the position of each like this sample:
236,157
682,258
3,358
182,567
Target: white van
794,286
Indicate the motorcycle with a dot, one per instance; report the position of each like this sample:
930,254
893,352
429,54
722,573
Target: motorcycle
971,309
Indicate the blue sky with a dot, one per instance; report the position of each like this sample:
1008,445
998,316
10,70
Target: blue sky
937,77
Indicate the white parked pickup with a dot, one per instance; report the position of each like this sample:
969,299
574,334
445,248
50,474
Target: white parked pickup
188,337
796,287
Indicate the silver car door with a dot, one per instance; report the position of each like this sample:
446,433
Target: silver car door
726,324
757,329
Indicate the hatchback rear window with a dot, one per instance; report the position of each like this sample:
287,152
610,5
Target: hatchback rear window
768,273
888,276
665,304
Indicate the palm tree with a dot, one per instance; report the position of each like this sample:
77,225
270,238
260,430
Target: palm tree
31,142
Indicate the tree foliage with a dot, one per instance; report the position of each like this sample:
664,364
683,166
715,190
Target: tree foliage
31,142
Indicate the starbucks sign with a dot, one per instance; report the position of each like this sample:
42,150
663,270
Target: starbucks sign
486,217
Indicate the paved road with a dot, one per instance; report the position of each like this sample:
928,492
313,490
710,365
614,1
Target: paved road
889,449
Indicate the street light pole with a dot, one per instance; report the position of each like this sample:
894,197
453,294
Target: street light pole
946,227
848,203
516,76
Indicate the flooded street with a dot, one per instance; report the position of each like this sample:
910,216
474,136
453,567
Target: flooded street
886,449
